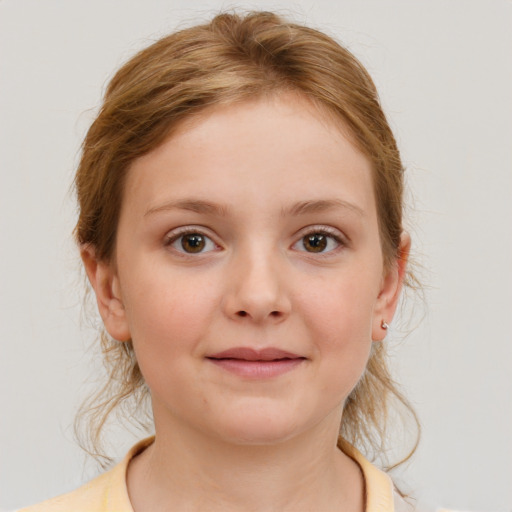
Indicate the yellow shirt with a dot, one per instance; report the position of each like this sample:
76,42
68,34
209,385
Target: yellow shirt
108,492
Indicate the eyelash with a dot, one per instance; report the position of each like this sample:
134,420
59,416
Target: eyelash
330,233
174,237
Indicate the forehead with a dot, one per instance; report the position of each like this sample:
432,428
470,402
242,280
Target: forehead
270,151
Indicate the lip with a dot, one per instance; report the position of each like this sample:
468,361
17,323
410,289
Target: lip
251,354
256,364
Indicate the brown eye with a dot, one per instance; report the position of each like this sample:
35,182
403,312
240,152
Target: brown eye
193,242
321,241
316,242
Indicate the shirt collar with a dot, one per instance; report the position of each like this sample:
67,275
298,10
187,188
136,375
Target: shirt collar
378,485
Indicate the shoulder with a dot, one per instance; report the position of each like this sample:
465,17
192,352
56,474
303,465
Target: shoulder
105,493
381,493
88,498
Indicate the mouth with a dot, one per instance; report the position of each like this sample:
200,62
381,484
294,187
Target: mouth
256,364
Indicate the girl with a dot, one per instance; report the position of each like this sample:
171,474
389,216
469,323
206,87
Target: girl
240,222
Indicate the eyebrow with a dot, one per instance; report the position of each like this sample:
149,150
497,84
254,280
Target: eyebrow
192,205
321,205
300,208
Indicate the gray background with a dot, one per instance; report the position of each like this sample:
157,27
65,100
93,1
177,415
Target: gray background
444,71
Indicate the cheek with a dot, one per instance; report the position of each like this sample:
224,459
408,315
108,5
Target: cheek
167,329
341,309
167,315
339,319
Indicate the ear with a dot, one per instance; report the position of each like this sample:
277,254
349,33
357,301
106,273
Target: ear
105,282
391,287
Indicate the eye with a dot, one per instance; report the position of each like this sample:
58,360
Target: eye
191,242
320,241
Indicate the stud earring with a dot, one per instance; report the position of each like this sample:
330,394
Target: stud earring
384,325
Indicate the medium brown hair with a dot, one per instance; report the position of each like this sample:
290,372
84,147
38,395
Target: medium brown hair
233,58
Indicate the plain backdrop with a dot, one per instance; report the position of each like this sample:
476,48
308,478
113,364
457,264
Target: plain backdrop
444,72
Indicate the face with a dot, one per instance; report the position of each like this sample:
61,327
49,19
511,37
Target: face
248,272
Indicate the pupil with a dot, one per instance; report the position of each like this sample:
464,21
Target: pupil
193,243
316,242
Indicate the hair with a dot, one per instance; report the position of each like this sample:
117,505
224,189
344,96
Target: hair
233,58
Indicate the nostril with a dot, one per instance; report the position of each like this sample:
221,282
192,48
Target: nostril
273,314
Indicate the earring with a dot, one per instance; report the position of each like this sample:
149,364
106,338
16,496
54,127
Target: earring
384,325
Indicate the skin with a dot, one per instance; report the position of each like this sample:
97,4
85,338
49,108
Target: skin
223,441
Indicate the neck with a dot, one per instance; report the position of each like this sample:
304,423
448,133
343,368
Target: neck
185,470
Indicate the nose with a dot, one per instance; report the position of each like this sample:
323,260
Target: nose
256,290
